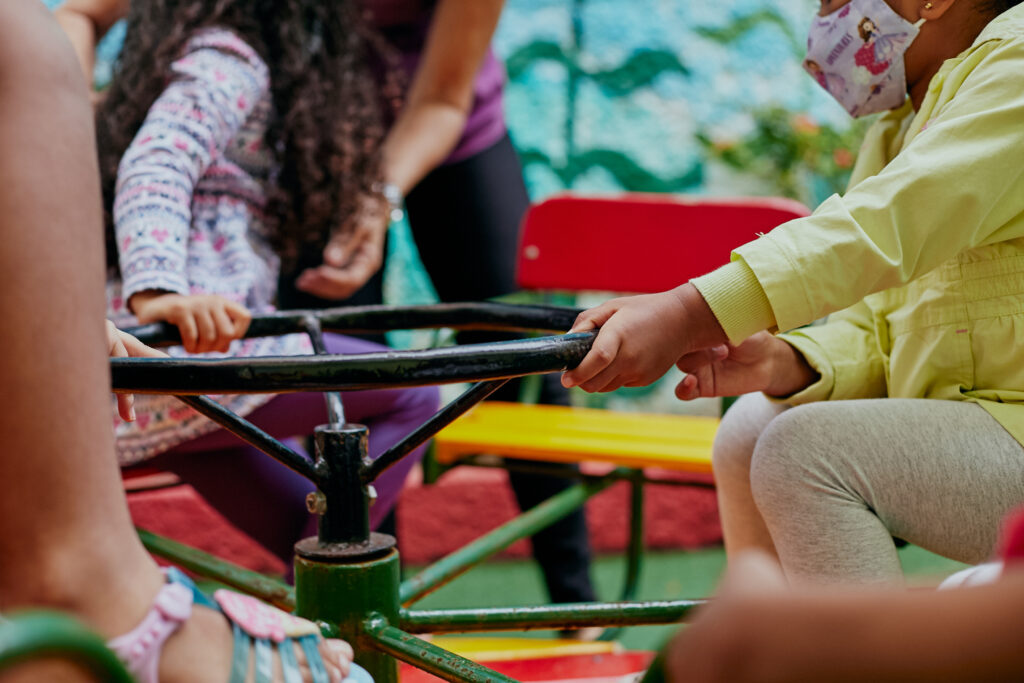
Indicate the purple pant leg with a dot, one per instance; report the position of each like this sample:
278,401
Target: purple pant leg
266,499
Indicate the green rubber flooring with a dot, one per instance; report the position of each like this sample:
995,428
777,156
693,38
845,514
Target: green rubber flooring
670,576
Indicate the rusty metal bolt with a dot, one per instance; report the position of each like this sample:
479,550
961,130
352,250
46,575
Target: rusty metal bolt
316,503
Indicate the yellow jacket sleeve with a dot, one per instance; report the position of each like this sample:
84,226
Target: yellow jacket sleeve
958,183
845,353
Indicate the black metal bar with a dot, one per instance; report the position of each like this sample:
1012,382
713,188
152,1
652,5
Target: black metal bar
251,434
364,319
341,453
428,429
335,408
471,362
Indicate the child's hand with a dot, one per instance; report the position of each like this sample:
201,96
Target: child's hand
642,337
761,363
207,322
123,345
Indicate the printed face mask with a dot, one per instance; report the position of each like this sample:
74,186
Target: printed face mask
856,54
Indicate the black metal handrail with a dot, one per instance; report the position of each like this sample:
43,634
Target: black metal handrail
341,470
277,375
368,319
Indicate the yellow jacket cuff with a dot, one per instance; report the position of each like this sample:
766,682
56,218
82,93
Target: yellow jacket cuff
737,300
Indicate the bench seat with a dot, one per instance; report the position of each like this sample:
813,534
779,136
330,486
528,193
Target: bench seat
571,435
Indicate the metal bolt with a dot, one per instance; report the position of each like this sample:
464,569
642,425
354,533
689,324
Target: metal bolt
316,503
371,493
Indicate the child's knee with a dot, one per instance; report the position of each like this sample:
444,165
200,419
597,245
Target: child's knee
730,457
737,436
791,451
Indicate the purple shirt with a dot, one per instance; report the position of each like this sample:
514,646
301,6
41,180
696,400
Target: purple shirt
405,24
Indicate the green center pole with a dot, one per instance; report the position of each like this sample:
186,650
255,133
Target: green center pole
340,595
346,573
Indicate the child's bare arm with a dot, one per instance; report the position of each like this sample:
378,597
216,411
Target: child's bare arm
757,630
427,129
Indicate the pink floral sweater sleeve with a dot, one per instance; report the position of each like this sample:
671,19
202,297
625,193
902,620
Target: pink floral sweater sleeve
213,89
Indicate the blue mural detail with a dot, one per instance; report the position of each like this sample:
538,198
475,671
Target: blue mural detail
611,95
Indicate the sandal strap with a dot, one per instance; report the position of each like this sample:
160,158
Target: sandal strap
289,663
239,654
263,662
140,648
260,626
254,626
313,659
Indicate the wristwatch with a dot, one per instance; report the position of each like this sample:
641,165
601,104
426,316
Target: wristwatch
396,201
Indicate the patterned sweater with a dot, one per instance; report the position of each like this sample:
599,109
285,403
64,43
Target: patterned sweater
188,216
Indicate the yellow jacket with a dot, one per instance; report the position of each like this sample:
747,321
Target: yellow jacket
923,257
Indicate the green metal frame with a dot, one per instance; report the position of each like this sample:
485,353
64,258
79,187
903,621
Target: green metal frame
347,579
44,635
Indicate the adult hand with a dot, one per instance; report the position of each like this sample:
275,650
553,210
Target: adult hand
761,363
642,337
207,322
123,345
350,259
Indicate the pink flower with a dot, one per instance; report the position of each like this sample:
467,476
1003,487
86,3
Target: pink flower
805,124
842,157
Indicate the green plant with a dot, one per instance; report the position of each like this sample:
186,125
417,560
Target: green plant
797,156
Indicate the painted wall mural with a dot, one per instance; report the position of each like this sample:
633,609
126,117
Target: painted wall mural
670,96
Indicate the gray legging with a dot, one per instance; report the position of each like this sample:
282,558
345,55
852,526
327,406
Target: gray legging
829,484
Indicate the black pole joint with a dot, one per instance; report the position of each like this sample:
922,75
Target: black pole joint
341,456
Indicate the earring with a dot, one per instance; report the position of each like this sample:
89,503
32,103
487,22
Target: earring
928,5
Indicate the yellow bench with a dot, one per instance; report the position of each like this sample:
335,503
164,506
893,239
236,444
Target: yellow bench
571,435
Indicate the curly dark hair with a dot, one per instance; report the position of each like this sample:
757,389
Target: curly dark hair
329,107
996,7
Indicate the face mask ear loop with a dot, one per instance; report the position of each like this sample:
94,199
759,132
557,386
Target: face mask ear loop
919,23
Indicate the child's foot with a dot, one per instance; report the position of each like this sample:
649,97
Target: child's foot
232,639
201,651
